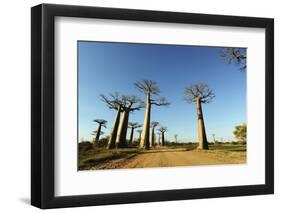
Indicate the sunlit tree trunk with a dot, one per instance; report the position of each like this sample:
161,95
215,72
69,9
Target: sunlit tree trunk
146,125
112,139
202,138
122,130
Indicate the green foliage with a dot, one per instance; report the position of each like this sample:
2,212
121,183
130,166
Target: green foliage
240,132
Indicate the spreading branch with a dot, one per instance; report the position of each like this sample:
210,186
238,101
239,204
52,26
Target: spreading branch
101,122
201,91
147,86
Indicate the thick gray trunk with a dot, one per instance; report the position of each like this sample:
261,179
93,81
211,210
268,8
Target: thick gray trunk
163,139
122,131
112,139
202,138
146,125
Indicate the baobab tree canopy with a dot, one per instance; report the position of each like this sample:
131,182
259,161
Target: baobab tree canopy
199,90
113,101
147,86
102,122
235,55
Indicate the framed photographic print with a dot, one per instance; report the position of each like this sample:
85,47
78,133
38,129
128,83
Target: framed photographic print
139,106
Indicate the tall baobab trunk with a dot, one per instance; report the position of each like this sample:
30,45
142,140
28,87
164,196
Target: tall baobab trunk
163,138
152,139
131,135
159,139
112,139
122,130
98,134
144,143
202,138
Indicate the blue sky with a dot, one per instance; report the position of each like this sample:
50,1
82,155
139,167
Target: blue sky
105,67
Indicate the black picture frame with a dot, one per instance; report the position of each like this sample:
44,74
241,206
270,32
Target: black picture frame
43,102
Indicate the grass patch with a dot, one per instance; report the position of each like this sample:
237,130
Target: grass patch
229,148
89,157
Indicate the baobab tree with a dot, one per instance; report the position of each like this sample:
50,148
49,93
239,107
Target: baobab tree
235,55
152,139
149,88
116,103
101,123
176,137
133,126
127,107
139,131
162,131
200,93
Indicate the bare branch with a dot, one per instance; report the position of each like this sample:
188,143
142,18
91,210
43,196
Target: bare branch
162,129
134,125
147,86
235,55
113,101
199,90
129,101
160,102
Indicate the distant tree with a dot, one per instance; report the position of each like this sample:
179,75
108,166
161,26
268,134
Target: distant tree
162,130
133,126
101,123
240,132
176,137
200,93
235,55
152,139
149,88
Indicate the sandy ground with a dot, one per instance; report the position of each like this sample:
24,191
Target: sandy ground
175,157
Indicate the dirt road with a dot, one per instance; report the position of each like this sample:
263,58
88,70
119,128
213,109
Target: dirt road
175,157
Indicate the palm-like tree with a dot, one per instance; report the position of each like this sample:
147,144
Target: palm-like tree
149,88
152,139
101,123
133,126
162,131
200,93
